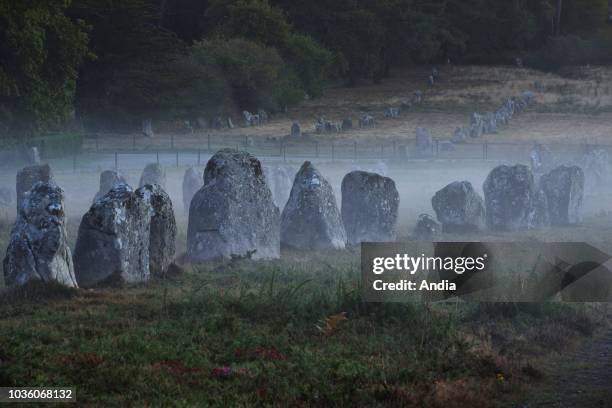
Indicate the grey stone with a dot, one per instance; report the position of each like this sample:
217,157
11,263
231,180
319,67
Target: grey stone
369,207
192,183
153,173
162,234
296,131
347,124
311,220
564,189
510,199
459,207
233,214
460,135
392,113
230,123
108,180
30,176
366,121
147,127
417,97
38,248
427,228
113,240
424,140
596,165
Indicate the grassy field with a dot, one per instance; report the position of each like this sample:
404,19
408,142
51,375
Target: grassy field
292,332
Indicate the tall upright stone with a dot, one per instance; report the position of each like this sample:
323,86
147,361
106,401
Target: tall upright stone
162,235
564,189
369,207
108,180
459,207
310,219
153,173
38,248
192,183
233,214
511,199
29,176
113,240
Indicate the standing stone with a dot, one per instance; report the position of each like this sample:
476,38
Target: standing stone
391,113
296,131
369,207
234,213
427,228
596,165
366,121
192,182
162,236
459,207
108,180
280,181
147,127
460,135
29,176
154,173
347,124
510,198
311,219
564,189
424,140
113,240
230,123
38,248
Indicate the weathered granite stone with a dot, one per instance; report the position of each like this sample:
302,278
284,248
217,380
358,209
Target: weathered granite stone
459,207
564,189
162,234
510,198
369,207
113,240
38,248
311,219
233,214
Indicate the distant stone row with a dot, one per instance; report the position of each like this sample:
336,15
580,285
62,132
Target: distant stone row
488,123
513,200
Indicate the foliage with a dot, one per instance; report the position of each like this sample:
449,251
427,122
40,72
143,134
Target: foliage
41,51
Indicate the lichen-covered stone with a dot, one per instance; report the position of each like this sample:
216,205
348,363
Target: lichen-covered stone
427,228
564,189
38,248
369,207
233,214
459,207
510,198
113,240
311,220
162,234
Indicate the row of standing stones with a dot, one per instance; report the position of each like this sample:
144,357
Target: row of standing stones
125,236
129,236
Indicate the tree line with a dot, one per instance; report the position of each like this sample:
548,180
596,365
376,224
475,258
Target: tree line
112,63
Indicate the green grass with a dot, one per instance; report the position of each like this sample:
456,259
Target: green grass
247,333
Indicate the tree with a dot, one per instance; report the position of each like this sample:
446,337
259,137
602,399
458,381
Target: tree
40,54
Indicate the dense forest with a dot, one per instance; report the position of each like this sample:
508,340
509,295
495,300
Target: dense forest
109,64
